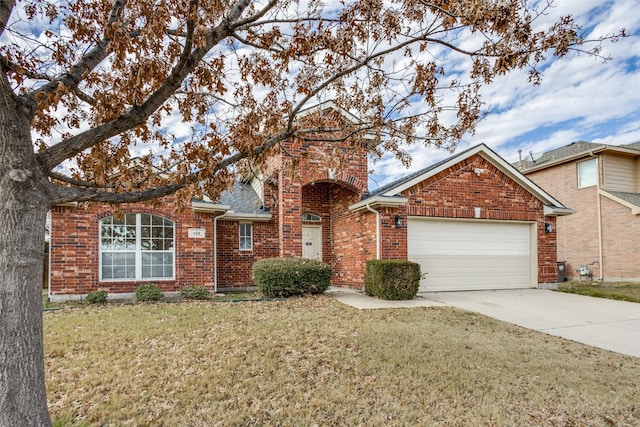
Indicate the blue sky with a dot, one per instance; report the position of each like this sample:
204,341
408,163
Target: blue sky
580,97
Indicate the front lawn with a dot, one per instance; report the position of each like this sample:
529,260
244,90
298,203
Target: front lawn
313,361
623,291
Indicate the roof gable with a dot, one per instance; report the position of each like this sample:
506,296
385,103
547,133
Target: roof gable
396,188
239,202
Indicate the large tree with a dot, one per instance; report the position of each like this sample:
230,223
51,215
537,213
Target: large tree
190,87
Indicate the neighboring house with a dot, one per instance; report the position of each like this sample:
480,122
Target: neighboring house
472,222
602,183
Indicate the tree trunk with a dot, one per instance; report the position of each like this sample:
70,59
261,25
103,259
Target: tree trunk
23,207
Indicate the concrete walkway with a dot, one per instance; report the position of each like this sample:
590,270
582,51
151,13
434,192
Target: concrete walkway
607,324
360,300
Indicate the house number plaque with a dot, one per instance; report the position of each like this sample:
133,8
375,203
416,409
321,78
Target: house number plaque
196,233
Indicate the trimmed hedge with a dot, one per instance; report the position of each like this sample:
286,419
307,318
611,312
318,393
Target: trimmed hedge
283,277
97,297
392,279
148,292
194,292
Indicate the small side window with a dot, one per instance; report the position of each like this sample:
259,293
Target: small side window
309,217
246,236
587,173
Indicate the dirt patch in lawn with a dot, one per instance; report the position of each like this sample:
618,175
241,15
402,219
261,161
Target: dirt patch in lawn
314,361
623,291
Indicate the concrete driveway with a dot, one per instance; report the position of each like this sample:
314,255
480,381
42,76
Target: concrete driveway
608,324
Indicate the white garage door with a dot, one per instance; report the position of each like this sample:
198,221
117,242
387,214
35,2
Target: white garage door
470,255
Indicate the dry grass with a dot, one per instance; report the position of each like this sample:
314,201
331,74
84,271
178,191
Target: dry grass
312,361
622,291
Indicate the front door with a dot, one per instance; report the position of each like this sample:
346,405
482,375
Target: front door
312,242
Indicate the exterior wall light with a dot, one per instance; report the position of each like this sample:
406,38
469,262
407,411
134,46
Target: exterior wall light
398,221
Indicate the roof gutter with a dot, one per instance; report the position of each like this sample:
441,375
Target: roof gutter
233,216
558,211
200,206
378,202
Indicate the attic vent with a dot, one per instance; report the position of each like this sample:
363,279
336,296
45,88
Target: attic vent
311,217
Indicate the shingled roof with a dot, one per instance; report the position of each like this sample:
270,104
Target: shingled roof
242,199
631,198
568,152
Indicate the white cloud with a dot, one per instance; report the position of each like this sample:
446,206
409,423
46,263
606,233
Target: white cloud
580,98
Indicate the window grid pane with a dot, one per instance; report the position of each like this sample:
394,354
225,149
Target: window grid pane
120,246
246,241
157,264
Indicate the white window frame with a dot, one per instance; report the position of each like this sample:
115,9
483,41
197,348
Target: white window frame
580,173
245,237
310,217
138,251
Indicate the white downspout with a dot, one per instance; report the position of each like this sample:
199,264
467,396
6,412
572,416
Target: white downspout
215,251
377,213
600,249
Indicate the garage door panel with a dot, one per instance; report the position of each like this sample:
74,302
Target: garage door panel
446,273
469,255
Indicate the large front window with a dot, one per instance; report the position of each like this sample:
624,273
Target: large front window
136,247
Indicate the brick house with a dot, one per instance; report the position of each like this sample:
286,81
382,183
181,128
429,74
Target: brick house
602,183
472,222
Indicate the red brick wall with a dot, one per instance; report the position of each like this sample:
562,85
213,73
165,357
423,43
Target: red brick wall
234,265
354,239
75,253
394,239
457,191
307,164
289,215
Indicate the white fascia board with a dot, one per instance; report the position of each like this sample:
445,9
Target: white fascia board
233,216
200,206
493,158
379,202
557,211
68,204
635,210
330,105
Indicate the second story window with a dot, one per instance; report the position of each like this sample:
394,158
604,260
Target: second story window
587,173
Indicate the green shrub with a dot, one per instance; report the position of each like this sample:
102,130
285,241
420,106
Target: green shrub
194,292
148,292
392,279
283,277
97,297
